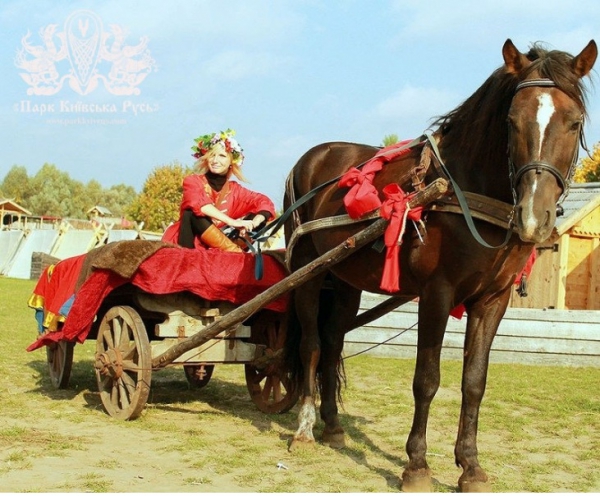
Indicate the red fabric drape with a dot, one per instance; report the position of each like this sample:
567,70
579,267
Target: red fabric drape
211,274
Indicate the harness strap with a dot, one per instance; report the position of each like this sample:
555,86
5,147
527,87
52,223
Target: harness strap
279,222
493,211
462,201
325,223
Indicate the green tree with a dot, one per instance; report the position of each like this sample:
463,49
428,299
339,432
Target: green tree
118,198
55,194
588,168
158,203
390,139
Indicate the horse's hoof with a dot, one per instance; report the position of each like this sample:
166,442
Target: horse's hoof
474,487
418,482
336,440
299,443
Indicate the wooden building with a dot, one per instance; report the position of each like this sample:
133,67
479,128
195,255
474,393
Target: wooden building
566,274
12,213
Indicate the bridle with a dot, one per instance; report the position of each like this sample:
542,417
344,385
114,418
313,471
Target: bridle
540,166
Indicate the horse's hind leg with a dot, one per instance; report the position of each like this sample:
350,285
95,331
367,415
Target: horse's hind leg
306,302
433,317
342,309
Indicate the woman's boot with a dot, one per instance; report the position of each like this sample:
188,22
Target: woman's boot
214,238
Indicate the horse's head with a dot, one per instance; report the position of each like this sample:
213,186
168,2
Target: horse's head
545,125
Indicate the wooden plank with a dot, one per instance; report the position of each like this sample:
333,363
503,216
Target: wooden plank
496,356
212,351
181,325
593,296
565,337
562,273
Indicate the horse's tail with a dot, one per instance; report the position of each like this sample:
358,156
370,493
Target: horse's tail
292,359
291,354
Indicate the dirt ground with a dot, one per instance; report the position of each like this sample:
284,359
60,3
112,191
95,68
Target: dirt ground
215,439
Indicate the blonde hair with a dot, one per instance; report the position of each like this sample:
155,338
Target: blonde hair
235,168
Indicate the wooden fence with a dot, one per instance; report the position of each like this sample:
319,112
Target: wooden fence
527,336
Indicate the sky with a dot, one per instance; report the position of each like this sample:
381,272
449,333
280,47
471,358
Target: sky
110,90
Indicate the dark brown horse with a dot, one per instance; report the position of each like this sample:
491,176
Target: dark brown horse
514,142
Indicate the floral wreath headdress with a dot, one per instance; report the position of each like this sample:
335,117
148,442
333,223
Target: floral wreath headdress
226,138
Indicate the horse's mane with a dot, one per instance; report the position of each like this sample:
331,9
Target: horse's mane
478,126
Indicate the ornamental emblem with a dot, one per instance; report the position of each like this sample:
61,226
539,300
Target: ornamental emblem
83,55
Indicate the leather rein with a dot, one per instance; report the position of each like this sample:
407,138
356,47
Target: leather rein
471,205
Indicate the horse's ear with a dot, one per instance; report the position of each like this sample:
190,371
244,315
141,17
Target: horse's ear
583,63
514,60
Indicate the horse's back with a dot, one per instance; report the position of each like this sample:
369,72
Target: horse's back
327,161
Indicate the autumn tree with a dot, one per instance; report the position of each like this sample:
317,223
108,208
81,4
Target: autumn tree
588,168
158,203
15,185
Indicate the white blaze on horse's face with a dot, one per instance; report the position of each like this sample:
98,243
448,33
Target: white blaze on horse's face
544,114
531,221
544,126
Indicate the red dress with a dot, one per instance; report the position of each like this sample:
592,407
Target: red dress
233,200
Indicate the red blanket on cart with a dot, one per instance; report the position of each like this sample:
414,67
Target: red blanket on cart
211,274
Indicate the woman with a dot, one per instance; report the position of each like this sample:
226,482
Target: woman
212,201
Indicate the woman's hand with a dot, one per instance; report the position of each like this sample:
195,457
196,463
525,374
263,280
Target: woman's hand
242,225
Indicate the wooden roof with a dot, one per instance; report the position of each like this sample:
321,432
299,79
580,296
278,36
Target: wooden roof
8,205
583,198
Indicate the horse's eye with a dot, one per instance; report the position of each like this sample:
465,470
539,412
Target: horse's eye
575,126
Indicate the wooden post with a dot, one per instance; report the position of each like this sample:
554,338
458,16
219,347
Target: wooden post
320,264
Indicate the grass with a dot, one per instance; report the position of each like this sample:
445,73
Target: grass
539,427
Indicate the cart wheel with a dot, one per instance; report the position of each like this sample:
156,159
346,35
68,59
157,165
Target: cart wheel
198,375
269,386
123,363
60,360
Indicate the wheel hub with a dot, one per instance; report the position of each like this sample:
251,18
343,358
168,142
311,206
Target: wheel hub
109,363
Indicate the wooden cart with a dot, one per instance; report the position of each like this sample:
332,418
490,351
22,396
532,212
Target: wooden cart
137,333
134,327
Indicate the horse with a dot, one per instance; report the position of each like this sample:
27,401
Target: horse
513,143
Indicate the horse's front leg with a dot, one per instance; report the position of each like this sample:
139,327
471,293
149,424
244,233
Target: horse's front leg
306,302
341,313
434,308
482,324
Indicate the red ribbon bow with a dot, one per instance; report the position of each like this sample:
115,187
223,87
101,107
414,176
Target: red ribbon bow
363,197
395,209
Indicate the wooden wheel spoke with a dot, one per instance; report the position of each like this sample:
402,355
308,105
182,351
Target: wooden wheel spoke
130,366
117,329
128,352
123,394
125,341
269,387
259,376
107,338
123,381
